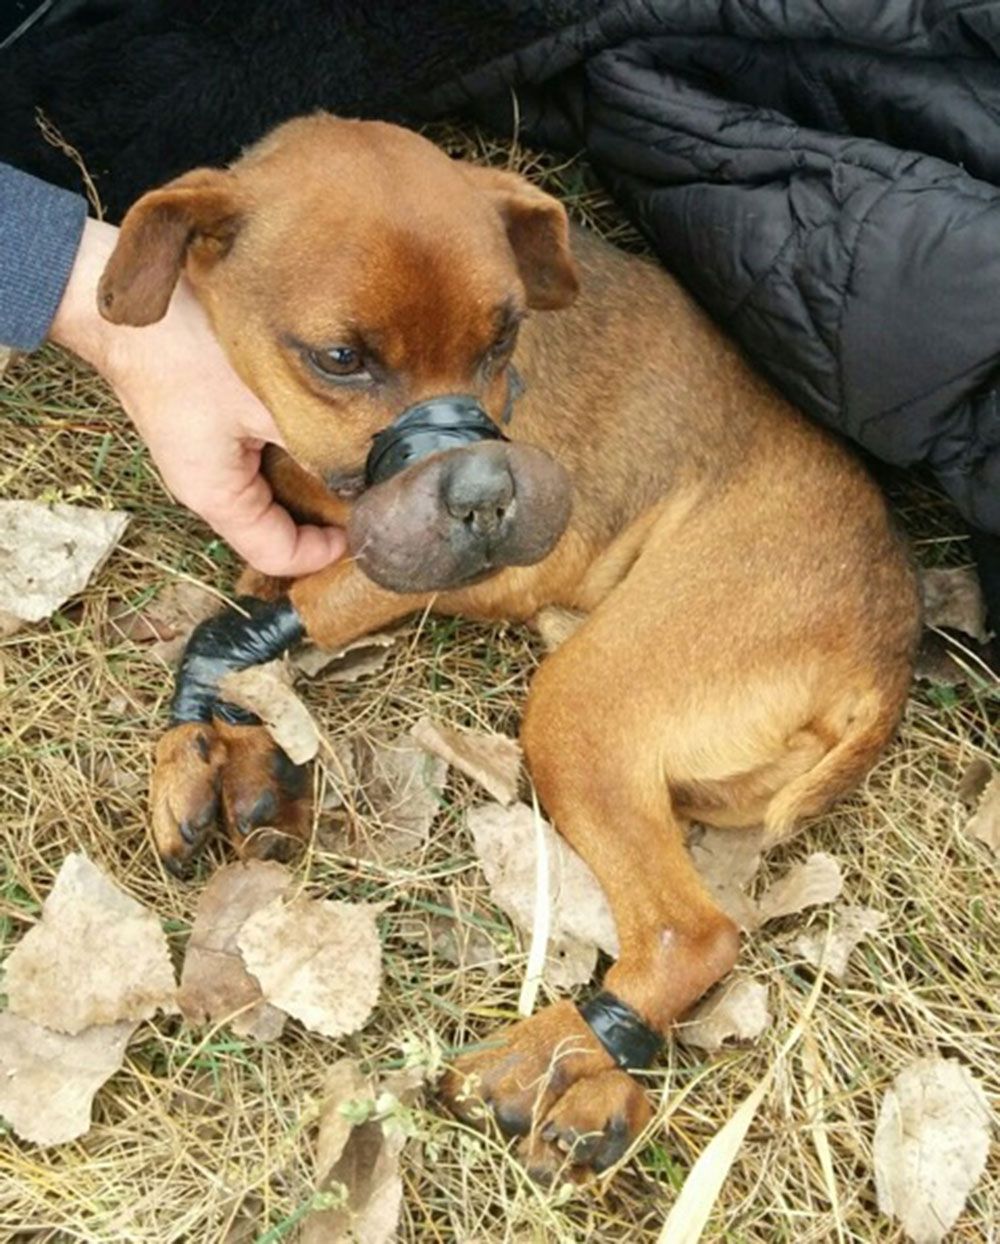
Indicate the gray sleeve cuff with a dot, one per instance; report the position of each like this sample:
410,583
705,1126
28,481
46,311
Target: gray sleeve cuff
40,228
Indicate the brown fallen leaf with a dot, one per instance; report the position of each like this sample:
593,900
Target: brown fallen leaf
974,781
581,920
984,824
930,1148
48,1079
364,656
345,1088
736,1010
936,661
267,691
727,861
49,553
403,786
320,961
95,957
362,1133
953,598
168,619
9,625
243,1226
215,984
815,880
832,948
112,776
492,760
339,774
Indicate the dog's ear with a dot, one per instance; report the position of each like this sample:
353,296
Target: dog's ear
538,232
198,213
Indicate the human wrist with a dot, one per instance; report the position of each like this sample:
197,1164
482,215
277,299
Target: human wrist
78,324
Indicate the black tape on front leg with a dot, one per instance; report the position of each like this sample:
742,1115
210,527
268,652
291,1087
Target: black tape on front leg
628,1039
234,639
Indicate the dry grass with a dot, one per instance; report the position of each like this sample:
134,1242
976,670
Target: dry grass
203,1137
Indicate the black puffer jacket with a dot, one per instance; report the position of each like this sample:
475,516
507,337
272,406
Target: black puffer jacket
823,175
826,178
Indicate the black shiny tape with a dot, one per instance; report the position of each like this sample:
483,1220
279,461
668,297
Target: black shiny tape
630,1042
427,428
234,639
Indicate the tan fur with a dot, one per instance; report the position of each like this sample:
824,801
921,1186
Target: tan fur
750,613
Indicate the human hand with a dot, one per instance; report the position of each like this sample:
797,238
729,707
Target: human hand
205,430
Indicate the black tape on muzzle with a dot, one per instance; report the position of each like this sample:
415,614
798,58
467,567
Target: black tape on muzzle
428,428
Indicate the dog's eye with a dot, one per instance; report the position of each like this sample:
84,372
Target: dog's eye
336,361
503,345
499,351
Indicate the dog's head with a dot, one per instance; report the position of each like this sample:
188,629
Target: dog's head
352,272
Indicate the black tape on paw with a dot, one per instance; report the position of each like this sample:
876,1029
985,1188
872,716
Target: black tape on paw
628,1039
234,639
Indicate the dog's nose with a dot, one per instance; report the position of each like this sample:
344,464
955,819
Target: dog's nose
478,491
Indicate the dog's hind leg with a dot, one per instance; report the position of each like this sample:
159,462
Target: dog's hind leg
597,768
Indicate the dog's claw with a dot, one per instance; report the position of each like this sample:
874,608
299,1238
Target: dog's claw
263,812
186,788
265,804
192,829
176,866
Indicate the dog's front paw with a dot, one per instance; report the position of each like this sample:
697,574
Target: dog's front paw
204,772
551,1081
185,793
265,796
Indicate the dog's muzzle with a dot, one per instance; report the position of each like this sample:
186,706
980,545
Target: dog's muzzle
450,500
427,428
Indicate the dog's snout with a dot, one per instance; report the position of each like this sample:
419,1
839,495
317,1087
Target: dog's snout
478,491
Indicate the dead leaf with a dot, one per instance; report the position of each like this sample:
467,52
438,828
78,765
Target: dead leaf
48,1079
112,776
727,860
403,786
244,1226
581,920
366,655
95,957
318,960
953,598
492,760
985,821
735,1010
360,1142
974,781
931,1142
832,948
345,1084
937,661
816,880
9,625
267,691
49,553
170,616
555,625
340,774
214,981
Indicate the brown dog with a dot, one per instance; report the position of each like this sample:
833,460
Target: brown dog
750,613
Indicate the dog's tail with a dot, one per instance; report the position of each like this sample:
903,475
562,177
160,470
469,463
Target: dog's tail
869,726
